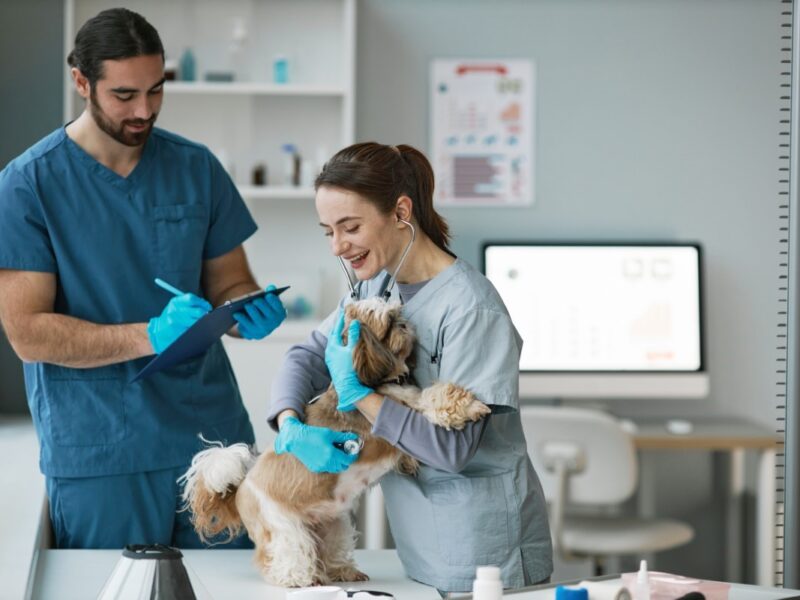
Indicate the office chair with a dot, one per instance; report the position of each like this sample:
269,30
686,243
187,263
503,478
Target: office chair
587,462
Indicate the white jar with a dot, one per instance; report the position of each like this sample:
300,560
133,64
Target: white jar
487,584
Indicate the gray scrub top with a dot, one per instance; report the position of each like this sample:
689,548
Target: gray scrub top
493,512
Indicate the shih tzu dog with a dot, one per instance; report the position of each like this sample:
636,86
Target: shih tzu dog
301,521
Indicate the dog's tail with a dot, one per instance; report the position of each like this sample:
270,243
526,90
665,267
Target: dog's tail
209,489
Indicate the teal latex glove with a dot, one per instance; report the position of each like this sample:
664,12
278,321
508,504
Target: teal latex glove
260,317
180,313
314,446
339,360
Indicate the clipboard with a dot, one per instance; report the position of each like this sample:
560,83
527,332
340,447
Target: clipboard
199,337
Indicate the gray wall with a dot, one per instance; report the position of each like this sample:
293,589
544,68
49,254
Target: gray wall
656,119
31,54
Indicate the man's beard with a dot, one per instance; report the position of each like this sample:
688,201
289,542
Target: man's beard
118,132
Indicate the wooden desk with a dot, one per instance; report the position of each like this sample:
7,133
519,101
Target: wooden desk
723,434
731,437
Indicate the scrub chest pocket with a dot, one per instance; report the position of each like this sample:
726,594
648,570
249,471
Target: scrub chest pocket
180,236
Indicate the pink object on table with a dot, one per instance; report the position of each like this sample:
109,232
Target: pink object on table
666,586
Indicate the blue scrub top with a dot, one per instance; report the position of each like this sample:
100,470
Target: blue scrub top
106,238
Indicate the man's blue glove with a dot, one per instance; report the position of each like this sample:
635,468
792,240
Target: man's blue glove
260,317
314,446
339,360
180,313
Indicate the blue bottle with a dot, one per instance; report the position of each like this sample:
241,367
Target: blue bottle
187,66
280,69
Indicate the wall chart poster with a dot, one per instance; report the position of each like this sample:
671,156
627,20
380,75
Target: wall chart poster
482,131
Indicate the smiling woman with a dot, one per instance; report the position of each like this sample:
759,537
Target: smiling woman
476,498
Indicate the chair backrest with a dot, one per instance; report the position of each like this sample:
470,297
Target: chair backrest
599,451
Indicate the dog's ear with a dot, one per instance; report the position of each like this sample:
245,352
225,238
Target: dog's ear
372,361
377,321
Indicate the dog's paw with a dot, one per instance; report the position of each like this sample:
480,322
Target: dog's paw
407,465
347,574
283,576
451,406
477,410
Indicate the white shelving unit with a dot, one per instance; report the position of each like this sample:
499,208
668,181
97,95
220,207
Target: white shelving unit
251,88
276,192
246,122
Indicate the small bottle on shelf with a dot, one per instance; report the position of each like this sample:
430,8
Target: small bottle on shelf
170,69
238,50
280,69
259,175
291,166
187,66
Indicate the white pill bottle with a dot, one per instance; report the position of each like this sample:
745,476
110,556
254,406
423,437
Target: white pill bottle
487,584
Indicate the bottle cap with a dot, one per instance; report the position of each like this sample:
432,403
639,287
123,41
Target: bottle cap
488,572
571,593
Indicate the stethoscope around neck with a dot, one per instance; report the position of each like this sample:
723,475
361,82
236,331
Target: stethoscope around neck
388,284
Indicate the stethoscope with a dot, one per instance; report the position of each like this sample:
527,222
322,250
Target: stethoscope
385,289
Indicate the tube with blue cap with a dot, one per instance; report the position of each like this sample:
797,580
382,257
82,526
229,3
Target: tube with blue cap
565,592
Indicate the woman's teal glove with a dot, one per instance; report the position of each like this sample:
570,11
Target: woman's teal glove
314,446
260,317
180,313
339,360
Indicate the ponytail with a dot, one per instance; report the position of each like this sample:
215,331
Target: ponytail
421,179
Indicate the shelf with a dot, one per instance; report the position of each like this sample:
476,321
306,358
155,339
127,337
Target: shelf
251,88
275,192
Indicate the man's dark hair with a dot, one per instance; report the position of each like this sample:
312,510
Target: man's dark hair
113,34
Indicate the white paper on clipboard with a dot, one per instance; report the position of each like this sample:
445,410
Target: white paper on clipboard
482,130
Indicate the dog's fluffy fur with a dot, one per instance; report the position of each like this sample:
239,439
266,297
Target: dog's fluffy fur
300,521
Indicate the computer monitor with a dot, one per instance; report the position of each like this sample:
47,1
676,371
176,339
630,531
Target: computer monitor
604,320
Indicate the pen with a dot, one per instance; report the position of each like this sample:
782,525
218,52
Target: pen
170,288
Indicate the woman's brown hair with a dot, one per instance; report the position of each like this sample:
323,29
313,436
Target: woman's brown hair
382,174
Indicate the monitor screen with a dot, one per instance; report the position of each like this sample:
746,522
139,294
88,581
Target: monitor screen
602,308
